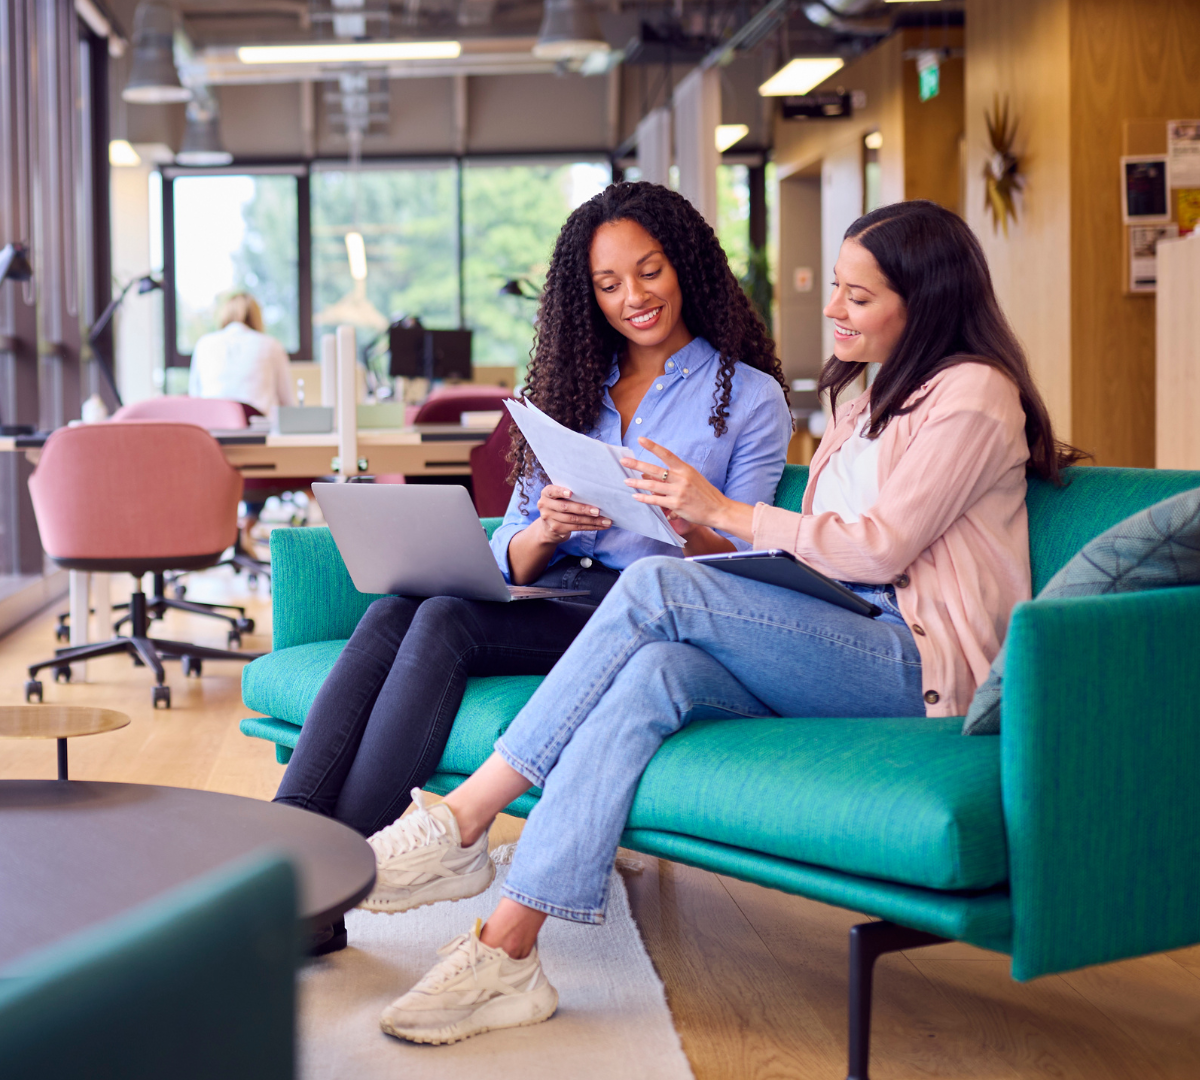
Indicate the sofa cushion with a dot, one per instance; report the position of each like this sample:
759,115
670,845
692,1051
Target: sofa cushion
1156,549
906,800
283,684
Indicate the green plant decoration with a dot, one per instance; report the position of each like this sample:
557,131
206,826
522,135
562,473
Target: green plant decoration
756,283
1002,171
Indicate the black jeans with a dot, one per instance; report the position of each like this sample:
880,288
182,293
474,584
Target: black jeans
380,722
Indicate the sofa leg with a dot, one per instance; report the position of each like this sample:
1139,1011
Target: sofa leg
868,942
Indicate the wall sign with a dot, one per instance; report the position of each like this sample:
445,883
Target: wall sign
1144,189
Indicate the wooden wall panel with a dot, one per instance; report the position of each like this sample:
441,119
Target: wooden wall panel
933,128
1127,60
1020,50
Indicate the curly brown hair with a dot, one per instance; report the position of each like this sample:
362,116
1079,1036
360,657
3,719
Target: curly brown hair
574,346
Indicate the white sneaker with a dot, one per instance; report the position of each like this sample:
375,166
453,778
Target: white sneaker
420,859
475,989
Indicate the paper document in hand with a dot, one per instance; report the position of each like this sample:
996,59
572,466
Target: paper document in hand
593,471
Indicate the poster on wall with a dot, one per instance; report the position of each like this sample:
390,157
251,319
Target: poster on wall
1143,255
1187,209
1183,153
1144,189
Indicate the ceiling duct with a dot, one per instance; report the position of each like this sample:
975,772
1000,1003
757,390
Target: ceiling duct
570,31
153,77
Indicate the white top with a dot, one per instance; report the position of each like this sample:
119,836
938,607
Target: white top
240,364
849,482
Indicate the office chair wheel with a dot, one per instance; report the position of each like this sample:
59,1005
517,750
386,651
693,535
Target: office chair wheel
235,639
252,580
62,632
162,694
180,592
245,626
33,689
191,665
62,672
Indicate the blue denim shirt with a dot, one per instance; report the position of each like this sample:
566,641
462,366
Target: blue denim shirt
745,463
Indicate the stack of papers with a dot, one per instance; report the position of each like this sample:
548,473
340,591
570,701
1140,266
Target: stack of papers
593,472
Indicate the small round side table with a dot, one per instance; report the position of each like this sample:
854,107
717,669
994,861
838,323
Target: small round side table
61,722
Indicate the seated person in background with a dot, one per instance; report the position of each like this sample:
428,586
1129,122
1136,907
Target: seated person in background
643,329
241,363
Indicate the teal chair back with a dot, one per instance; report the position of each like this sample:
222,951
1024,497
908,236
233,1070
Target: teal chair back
198,983
1093,499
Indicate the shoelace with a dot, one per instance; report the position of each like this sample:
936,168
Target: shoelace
462,952
407,833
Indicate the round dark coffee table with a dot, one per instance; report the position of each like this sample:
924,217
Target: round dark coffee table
74,853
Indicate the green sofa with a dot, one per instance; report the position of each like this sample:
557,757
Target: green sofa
1071,839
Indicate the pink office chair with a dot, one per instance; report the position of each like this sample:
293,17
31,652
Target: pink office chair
447,405
215,414
489,471
141,497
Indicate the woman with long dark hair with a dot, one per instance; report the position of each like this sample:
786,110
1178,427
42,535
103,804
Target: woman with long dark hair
642,330
915,500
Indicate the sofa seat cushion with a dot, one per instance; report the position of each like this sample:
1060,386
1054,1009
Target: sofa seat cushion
906,800
284,683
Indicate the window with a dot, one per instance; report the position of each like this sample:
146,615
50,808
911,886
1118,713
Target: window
733,216
512,214
232,233
407,216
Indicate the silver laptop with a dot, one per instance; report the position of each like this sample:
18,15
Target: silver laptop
418,540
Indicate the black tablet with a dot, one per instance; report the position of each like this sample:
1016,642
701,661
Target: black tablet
782,568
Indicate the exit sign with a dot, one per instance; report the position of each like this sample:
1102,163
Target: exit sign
928,75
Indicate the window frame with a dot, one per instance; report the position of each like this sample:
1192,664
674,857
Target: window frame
170,173
303,171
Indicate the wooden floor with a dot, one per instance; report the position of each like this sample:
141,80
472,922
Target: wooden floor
756,979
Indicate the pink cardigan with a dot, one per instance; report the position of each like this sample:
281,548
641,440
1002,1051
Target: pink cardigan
949,530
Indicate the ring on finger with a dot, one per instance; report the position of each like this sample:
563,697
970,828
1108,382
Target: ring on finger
666,473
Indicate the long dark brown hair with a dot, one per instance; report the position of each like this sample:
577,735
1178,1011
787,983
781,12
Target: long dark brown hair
933,261
575,345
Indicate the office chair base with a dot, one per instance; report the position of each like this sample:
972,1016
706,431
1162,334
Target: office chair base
144,650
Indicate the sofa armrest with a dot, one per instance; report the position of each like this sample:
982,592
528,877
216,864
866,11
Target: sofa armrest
1100,770
312,596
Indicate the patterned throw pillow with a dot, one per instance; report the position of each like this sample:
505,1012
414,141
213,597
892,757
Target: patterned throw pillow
1155,549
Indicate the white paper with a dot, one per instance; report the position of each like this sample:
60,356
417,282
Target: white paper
593,472
1183,153
1143,254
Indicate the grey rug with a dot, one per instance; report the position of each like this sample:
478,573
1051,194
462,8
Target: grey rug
612,1018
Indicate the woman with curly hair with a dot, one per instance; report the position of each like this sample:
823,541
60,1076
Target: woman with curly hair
643,330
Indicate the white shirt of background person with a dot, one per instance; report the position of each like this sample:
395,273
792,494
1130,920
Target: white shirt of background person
238,363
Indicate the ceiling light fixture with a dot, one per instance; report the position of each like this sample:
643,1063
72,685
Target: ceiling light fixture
728,134
122,154
873,140
799,76
153,78
356,252
569,31
349,52
202,144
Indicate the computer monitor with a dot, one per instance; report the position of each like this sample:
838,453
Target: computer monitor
418,353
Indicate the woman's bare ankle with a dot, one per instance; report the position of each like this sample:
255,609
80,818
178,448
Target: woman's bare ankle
470,826
513,928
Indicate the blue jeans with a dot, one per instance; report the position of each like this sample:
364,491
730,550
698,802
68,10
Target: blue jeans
675,642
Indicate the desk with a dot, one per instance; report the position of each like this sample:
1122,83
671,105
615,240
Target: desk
428,450
75,853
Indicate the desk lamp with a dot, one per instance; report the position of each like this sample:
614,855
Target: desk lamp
14,263
144,285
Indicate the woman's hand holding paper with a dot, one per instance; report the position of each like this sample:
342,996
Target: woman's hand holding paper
687,497
559,516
